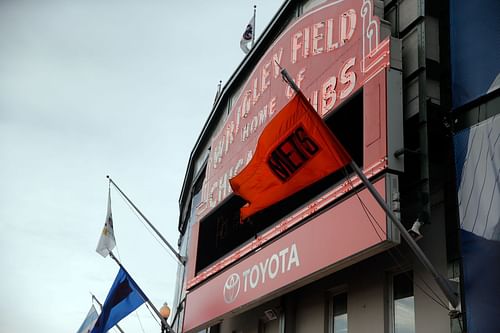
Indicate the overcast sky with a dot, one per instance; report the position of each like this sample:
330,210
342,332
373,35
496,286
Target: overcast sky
90,88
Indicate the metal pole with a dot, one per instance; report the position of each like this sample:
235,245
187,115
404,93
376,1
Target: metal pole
155,310
289,80
445,286
181,259
178,310
254,24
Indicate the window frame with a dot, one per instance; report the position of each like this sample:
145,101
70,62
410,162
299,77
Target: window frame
332,293
391,298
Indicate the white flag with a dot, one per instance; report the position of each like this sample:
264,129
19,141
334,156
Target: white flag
89,322
248,35
107,241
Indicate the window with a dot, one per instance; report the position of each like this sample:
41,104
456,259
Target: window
211,329
269,326
338,313
309,4
403,303
214,329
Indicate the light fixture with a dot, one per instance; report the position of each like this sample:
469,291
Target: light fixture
164,313
270,314
415,230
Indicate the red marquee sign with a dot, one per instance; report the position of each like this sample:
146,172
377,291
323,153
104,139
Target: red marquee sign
331,52
338,234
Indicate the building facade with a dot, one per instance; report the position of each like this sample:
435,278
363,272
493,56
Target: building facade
327,258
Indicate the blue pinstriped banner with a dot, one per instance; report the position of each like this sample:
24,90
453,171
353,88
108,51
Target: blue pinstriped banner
477,158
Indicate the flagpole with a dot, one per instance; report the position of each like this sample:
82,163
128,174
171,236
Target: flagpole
163,320
445,286
217,94
100,305
181,259
254,24
442,282
178,310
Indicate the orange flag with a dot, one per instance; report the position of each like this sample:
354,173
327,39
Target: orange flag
295,150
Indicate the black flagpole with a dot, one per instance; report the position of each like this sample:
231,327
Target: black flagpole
443,284
254,24
181,259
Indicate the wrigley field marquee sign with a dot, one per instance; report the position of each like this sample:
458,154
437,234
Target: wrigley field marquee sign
330,52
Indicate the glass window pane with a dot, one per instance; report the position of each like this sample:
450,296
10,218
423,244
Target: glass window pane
403,285
340,323
404,304
339,313
339,304
404,314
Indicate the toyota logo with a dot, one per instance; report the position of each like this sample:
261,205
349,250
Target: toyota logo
231,288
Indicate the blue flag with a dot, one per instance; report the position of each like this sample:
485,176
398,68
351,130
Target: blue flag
123,298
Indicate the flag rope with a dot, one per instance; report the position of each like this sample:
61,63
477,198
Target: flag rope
140,322
146,299
180,258
150,232
152,315
100,306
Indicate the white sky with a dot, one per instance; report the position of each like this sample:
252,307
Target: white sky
90,88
